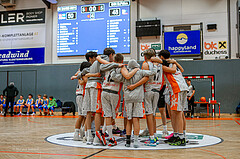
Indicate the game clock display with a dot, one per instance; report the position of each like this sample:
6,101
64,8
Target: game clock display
93,28
92,8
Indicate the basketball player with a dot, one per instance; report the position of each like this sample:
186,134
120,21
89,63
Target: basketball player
29,104
45,104
133,97
111,97
92,98
150,98
178,87
80,91
39,103
2,103
20,102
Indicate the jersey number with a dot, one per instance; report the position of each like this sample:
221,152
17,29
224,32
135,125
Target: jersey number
157,76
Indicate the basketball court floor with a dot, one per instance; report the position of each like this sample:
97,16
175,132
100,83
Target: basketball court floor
51,137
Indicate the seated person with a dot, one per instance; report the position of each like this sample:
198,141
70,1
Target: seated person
20,102
238,108
39,104
2,103
29,104
52,104
45,104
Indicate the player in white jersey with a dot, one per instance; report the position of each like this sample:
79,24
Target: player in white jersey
111,97
133,96
92,99
178,87
150,98
80,91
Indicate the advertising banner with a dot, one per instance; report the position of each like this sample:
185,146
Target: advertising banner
25,36
22,37
183,43
22,56
154,45
20,17
215,49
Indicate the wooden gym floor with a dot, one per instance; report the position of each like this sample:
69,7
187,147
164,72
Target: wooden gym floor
23,138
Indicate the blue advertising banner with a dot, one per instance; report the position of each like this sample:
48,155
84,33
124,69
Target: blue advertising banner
22,56
183,42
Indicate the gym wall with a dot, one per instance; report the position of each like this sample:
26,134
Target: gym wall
170,12
55,80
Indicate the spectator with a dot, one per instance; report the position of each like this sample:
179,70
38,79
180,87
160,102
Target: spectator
10,92
39,104
52,104
20,103
190,97
45,104
29,104
2,103
238,108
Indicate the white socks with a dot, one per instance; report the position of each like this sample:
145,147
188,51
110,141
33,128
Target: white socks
77,130
104,128
109,129
181,136
83,128
135,144
155,135
165,127
89,133
152,137
184,133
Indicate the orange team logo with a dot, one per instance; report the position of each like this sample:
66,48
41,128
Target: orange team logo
144,47
88,15
174,102
210,46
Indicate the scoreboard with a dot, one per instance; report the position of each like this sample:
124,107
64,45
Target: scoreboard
92,8
84,28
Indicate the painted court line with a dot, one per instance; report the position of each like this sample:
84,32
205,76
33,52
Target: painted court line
212,153
237,121
53,154
94,154
44,123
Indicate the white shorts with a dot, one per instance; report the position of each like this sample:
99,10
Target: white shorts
79,102
92,100
110,104
134,110
167,99
124,111
179,101
150,102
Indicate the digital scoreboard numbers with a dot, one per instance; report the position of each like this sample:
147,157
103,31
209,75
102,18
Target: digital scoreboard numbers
84,28
71,15
92,8
114,12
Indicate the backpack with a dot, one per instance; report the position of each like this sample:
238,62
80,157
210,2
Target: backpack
59,103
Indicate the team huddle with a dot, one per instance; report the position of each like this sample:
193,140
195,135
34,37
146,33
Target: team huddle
100,82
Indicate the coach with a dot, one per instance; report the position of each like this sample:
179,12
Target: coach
10,92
